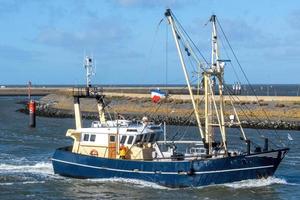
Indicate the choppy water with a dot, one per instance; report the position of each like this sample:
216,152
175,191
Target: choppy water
26,171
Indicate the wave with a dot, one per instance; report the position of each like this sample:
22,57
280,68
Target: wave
255,183
37,168
45,168
21,183
133,182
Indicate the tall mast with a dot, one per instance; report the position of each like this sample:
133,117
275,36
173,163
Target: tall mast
218,71
175,35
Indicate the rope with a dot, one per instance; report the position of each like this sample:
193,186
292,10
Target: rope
242,70
186,123
167,53
189,38
243,111
148,61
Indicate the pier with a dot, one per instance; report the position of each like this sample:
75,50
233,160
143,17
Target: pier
177,93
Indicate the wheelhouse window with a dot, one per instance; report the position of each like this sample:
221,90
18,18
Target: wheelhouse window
131,130
152,137
112,138
138,138
93,138
155,128
86,137
123,139
146,137
130,139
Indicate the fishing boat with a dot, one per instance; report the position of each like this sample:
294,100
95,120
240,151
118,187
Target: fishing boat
98,151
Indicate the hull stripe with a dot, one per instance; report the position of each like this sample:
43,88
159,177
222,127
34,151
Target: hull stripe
232,170
151,172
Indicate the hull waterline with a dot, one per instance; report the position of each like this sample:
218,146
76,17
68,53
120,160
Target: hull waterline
185,173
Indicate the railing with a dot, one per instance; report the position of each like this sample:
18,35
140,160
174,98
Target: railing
179,142
87,92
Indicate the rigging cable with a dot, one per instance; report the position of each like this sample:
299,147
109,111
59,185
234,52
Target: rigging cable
167,53
189,38
232,97
148,63
231,94
242,70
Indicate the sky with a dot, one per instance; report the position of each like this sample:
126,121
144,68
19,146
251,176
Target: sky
45,41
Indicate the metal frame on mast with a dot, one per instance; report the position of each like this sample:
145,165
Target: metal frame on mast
216,70
90,70
171,21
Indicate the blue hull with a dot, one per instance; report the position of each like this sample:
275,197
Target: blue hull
184,173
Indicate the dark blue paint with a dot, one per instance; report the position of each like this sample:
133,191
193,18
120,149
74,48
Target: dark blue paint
185,171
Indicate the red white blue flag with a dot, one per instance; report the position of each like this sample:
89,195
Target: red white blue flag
157,95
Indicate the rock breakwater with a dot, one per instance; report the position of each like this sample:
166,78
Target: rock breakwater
50,109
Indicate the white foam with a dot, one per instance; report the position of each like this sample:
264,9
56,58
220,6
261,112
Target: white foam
23,183
254,183
32,182
293,157
6,183
133,182
38,168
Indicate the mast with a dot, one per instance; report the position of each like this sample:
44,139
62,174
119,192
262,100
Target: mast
208,111
175,35
211,76
218,71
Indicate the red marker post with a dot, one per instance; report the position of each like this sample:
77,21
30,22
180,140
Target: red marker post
32,116
31,108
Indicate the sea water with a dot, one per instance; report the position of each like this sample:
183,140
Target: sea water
26,171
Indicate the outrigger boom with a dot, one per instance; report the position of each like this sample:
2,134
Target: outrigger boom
216,69
133,149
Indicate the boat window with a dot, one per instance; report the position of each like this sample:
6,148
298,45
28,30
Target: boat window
147,137
131,130
123,139
93,138
112,138
138,138
86,137
152,137
130,139
155,127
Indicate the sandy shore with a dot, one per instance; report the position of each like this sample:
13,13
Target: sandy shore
36,91
264,112
135,102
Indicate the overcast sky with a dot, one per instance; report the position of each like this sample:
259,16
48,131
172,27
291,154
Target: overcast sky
45,41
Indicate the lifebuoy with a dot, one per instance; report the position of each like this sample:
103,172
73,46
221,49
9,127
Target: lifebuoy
94,152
